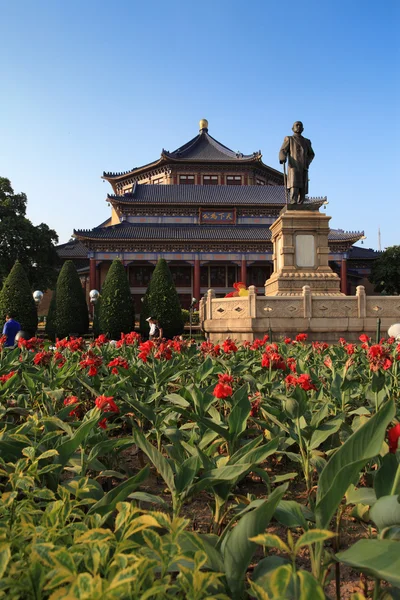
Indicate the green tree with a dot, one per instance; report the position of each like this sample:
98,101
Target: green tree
71,311
16,298
33,246
161,302
385,272
116,313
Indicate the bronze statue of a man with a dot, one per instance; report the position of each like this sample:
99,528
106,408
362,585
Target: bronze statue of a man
300,153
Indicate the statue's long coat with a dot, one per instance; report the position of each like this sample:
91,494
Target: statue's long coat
300,154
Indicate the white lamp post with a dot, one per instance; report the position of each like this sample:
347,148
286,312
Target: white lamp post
191,308
94,295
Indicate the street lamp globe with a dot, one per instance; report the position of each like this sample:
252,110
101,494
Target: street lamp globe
94,296
394,331
38,297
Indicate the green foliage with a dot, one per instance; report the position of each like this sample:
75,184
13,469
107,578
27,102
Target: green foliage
161,302
50,327
116,313
71,308
16,297
186,316
33,246
385,272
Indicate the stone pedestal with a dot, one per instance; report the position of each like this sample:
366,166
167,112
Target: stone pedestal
301,254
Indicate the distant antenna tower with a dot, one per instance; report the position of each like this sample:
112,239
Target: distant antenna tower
379,240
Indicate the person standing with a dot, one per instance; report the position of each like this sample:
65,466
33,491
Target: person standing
297,149
156,331
10,329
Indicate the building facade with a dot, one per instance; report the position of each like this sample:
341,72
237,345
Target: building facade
204,208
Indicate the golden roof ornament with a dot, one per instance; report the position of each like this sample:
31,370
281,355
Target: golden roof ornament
203,125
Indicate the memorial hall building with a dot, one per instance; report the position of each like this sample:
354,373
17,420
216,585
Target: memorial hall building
207,210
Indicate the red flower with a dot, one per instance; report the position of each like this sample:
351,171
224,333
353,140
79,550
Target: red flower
42,358
229,346
32,344
3,339
107,404
319,347
301,337
72,400
328,362
304,381
92,361
364,338
342,341
350,349
103,423
163,351
76,344
225,378
255,404
6,377
128,339
118,362
101,340
222,390
291,363
378,357
394,436
288,340
290,381
209,348
231,295
59,359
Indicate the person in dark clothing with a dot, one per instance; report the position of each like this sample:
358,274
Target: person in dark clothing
10,329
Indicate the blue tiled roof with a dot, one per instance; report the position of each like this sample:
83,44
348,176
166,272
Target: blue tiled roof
189,232
203,195
205,147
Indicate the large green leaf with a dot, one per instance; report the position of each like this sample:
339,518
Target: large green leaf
386,512
346,463
238,549
379,558
186,473
159,461
386,481
67,449
237,419
119,493
324,431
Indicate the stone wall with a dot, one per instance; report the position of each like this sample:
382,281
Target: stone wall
323,318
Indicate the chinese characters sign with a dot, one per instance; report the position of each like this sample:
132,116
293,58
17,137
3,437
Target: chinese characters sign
218,217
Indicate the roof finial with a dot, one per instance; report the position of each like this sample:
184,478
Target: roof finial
203,125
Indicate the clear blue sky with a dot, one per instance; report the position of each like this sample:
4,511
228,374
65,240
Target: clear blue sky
91,86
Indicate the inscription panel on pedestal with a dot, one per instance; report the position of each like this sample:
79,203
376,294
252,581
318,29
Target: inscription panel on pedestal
305,250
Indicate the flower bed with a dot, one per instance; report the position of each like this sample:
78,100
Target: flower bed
86,427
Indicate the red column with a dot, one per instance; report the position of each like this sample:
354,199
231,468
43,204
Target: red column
92,274
196,279
243,271
343,276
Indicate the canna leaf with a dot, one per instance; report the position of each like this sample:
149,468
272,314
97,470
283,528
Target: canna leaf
119,493
159,461
238,549
378,558
344,466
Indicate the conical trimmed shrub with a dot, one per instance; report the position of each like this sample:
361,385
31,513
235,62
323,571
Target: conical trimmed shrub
16,298
161,302
51,317
116,314
72,317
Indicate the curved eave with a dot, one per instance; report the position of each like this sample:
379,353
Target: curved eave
116,177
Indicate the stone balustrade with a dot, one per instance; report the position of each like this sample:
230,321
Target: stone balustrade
323,318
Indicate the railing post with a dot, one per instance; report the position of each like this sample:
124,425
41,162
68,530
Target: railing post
210,296
307,303
361,301
252,302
